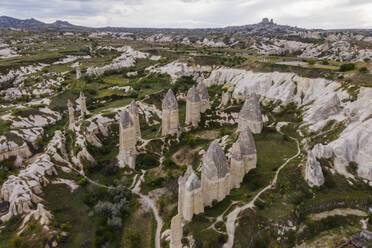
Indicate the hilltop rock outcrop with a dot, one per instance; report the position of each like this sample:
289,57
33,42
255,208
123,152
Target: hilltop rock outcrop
22,191
353,143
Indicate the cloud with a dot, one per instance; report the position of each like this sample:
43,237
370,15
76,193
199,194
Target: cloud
195,13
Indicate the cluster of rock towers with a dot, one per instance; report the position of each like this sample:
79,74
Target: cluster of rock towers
218,175
197,102
71,110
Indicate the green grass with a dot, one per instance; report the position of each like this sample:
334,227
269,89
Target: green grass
72,214
272,150
4,126
204,237
138,228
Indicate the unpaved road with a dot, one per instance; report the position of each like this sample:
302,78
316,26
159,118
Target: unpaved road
152,205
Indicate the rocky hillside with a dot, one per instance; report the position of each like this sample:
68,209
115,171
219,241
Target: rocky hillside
63,182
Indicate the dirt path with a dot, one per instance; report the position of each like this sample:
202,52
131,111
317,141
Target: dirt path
136,189
232,217
338,211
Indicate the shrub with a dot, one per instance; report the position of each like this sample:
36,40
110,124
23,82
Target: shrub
325,62
363,69
115,222
168,163
147,161
89,199
17,242
311,62
347,67
82,181
189,140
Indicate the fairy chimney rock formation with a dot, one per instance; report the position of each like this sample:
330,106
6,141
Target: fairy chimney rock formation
134,114
250,115
313,172
215,177
176,232
170,117
204,96
83,105
78,73
243,157
226,96
193,107
127,140
71,116
190,195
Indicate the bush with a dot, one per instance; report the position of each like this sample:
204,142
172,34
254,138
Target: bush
89,199
17,242
169,164
147,161
82,181
311,62
325,62
363,69
347,67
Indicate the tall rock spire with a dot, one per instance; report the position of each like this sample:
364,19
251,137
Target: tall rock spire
243,157
216,177
250,115
127,140
193,107
78,72
71,116
204,96
190,196
170,116
134,113
83,105
176,232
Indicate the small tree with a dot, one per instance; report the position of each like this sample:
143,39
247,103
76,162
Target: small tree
347,67
363,69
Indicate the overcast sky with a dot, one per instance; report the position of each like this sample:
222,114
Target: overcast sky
194,13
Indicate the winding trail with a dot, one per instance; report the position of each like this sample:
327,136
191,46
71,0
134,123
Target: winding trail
231,217
136,189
